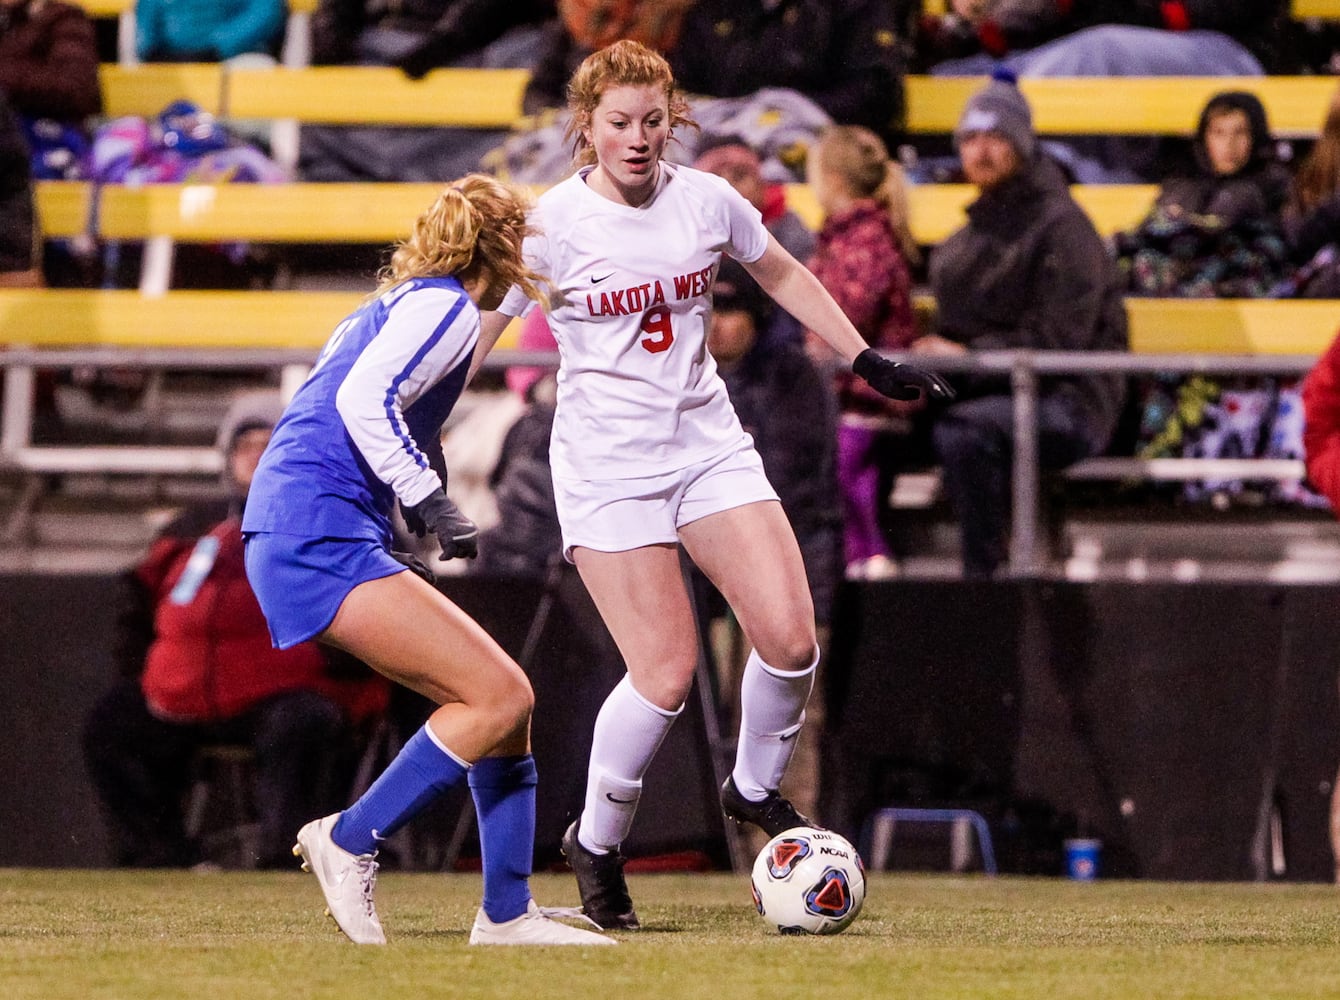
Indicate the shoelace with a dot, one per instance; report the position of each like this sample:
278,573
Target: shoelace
566,913
367,878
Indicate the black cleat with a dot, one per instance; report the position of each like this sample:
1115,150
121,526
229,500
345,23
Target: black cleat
601,883
773,815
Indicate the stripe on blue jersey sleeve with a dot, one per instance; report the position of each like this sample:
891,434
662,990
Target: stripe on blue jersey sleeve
401,432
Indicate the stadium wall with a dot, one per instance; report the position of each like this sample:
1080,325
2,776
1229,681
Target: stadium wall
1178,722
1192,727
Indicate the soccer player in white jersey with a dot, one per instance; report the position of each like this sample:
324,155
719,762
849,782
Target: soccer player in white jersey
361,434
648,454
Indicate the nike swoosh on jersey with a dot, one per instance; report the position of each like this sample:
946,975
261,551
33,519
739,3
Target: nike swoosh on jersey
622,802
596,281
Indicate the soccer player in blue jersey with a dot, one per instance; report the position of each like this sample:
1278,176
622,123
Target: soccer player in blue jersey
360,435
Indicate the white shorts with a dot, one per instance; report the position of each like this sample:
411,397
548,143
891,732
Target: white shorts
614,515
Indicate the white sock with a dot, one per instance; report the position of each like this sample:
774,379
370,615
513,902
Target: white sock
629,730
772,710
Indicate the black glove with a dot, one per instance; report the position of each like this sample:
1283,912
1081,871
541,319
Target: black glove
899,381
413,522
410,560
455,532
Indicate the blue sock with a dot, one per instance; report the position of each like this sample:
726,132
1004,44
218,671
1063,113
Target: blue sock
504,793
419,774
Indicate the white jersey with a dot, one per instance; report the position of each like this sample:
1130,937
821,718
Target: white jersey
638,392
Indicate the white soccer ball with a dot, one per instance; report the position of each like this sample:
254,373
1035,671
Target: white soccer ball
808,881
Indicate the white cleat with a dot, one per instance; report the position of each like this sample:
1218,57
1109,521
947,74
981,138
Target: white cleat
536,926
347,880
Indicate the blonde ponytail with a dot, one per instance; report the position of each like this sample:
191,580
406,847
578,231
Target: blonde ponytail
477,225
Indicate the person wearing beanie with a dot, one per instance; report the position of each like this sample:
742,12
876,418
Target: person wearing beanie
1027,271
999,109
198,669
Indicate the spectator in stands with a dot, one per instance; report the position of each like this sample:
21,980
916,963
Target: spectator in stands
1028,270
1215,231
586,25
1321,451
417,36
1312,215
49,70
20,238
731,157
199,670
841,54
208,30
1104,38
864,259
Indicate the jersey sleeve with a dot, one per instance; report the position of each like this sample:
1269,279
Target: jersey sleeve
748,237
428,333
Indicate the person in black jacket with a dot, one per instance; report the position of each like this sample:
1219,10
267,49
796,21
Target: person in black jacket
841,54
1028,270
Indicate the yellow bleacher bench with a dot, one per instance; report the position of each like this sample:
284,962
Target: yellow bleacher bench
294,319
185,319
491,98
147,89
344,95
1164,105
63,207
1232,326
290,213
1324,10
115,8
377,213
1299,9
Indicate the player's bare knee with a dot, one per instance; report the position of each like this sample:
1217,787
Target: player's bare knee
509,704
666,688
793,652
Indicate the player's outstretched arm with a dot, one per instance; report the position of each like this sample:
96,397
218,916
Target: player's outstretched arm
801,294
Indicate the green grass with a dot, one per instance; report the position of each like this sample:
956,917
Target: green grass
143,936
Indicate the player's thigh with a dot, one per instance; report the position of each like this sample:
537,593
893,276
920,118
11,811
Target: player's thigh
407,630
750,554
643,600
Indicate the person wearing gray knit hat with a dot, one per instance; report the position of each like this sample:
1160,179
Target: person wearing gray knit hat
243,435
999,108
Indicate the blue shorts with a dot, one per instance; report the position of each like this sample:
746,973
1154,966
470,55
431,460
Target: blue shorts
301,582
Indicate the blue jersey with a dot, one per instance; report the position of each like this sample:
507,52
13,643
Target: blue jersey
347,446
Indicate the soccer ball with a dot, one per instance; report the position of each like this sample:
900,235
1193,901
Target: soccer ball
808,881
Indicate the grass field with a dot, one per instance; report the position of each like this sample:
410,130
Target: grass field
143,936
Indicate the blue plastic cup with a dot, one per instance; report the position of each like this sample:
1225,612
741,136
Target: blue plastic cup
1081,858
